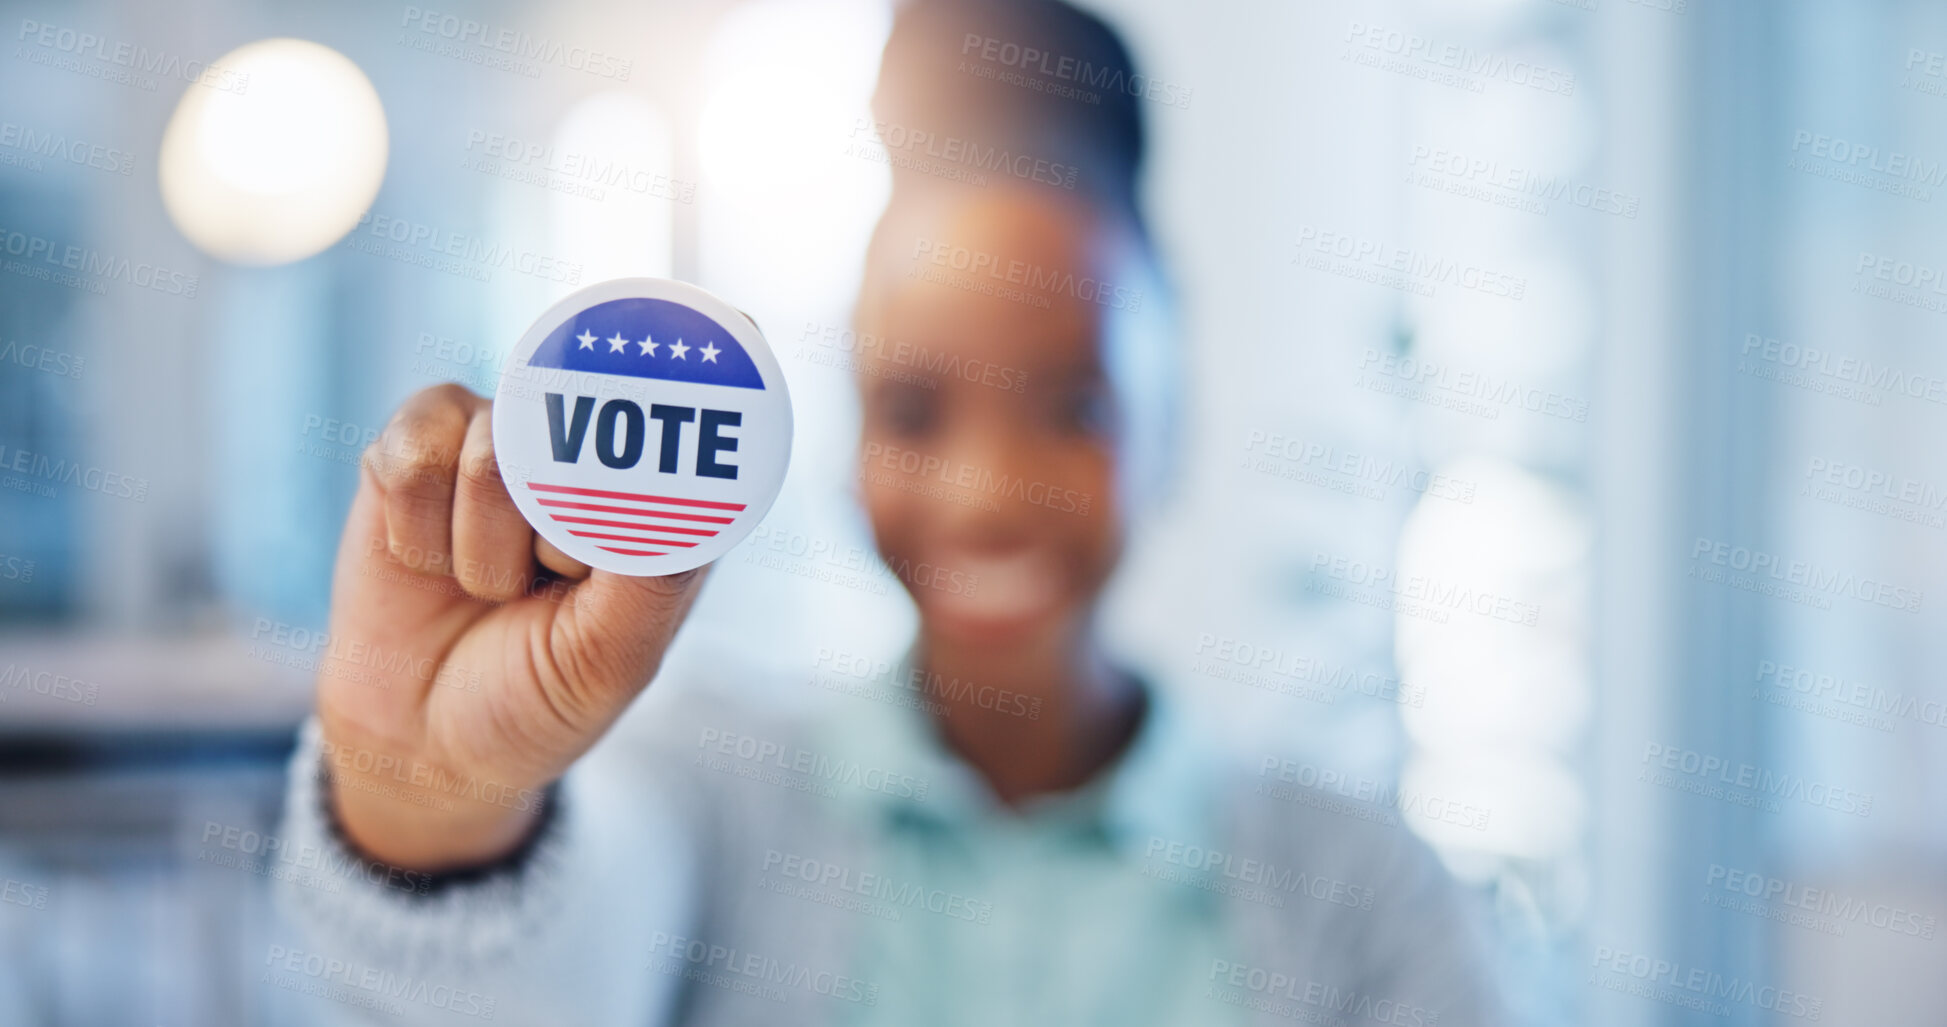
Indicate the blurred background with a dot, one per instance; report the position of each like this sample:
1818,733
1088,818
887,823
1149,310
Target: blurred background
1621,318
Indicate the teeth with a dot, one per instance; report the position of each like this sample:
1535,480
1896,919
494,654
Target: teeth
1002,587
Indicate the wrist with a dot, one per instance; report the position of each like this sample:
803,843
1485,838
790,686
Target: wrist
415,818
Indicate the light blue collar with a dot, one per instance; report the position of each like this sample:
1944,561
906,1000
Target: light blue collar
1159,787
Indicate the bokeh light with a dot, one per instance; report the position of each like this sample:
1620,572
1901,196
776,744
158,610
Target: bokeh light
282,165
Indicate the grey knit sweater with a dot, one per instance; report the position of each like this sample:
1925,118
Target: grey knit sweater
636,905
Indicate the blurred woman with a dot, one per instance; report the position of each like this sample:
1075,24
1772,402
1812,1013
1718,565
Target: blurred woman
1045,838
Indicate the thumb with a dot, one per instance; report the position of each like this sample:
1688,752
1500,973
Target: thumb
618,627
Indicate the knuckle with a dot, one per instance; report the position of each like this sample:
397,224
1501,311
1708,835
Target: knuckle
423,523
480,472
489,580
446,394
419,507
421,440
413,455
485,520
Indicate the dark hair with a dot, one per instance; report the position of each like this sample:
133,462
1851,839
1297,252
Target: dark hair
1034,78
1051,82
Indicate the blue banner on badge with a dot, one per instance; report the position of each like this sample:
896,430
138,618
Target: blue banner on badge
649,338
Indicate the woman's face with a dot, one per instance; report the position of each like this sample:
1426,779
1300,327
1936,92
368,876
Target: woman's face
987,458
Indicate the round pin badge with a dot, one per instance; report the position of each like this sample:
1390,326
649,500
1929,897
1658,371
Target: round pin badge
642,426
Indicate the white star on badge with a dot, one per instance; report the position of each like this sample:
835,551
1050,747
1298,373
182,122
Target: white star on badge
648,345
678,350
710,352
587,339
616,342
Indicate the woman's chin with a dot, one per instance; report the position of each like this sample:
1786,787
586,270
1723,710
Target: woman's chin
986,628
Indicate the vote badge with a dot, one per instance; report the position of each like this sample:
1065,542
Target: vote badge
642,426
